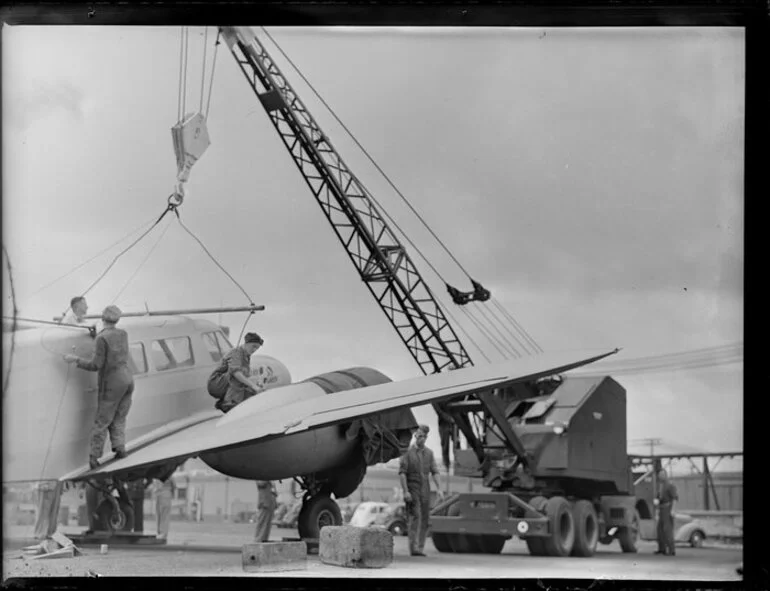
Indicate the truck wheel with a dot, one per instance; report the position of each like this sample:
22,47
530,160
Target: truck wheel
441,542
586,529
491,544
462,543
628,536
562,537
316,513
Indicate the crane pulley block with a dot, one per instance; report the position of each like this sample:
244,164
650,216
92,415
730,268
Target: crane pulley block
479,294
191,139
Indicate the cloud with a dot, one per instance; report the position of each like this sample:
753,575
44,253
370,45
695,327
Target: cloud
37,100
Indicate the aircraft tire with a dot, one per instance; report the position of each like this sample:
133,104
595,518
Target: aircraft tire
317,512
112,520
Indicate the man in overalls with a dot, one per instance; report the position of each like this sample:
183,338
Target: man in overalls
665,501
416,467
265,510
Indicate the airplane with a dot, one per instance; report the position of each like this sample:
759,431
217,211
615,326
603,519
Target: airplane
323,431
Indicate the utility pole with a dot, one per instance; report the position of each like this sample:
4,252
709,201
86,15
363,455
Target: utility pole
651,442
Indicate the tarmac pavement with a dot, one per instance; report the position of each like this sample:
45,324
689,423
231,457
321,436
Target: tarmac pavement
214,549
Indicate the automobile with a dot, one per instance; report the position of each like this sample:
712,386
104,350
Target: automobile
394,520
687,530
367,513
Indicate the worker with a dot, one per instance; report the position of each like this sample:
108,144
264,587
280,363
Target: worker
116,385
446,431
266,502
164,495
48,502
416,467
77,311
135,490
238,364
667,496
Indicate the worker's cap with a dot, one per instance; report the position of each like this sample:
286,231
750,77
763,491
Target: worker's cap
424,429
252,337
111,314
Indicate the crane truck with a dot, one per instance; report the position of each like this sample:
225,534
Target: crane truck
552,452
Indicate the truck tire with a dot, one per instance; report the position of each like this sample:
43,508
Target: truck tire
441,542
462,543
491,544
586,529
562,537
629,536
535,544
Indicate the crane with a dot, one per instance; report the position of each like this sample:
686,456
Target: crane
381,260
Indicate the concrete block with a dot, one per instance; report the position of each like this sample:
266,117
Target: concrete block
274,556
355,547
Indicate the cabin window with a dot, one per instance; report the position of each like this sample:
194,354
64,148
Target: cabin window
172,353
137,360
224,344
212,345
181,349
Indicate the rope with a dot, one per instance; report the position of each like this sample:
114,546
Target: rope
468,336
56,421
213,258
181,68
186,41
483,331
203,70
518,326
13,326
97,255
170,207
495,324
385,176
154,246
243,328
213,68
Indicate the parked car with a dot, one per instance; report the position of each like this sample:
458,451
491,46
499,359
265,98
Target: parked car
394,520
687,530
367,512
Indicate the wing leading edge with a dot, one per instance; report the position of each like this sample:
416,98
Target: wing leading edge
252,422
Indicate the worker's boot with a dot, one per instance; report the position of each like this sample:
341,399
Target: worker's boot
120,452
93,462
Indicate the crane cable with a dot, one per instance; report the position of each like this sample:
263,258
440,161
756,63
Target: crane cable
371,159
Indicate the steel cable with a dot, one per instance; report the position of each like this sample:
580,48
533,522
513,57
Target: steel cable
13,325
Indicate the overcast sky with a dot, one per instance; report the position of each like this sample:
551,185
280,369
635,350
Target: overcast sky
591,179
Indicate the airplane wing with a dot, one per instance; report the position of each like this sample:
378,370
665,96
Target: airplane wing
250,421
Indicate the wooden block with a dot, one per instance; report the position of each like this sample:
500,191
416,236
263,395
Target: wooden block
356,547
274,556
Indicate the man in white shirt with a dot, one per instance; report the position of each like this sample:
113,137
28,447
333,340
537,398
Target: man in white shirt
77,312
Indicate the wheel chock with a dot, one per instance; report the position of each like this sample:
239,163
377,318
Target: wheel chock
274,556
355,547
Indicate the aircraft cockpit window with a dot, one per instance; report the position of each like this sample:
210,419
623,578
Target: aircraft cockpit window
172,353
212,345
137,360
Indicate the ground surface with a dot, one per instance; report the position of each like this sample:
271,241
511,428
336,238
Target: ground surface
214,549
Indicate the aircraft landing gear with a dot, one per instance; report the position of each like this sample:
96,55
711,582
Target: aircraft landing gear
111,513
317,511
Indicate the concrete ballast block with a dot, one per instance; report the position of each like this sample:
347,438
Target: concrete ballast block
355,547
274,556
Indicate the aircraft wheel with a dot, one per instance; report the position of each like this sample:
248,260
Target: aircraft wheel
562,537
317,512
586,529
115,519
